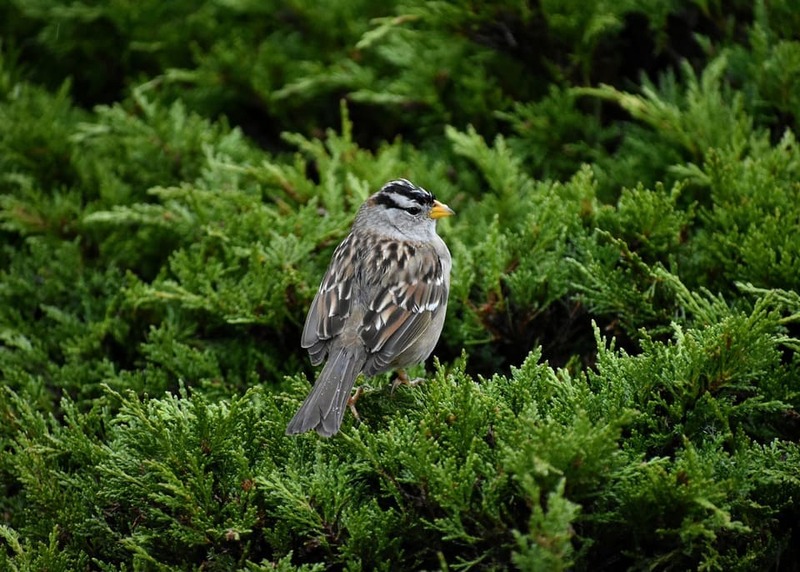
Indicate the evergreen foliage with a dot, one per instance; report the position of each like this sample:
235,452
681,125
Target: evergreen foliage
618,382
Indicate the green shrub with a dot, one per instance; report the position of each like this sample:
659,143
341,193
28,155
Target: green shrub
616,385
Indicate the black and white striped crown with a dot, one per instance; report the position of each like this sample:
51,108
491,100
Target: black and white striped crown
405,195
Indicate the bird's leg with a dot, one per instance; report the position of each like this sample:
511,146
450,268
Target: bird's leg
351,403
402,379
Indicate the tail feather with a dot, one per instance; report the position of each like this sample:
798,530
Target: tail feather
323,409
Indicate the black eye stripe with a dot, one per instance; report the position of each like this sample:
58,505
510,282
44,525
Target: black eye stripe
386,200
390,203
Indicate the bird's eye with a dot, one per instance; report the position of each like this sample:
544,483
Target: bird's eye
413,210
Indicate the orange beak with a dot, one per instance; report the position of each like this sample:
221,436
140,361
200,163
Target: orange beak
440,210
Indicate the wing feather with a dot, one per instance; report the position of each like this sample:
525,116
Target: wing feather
402,308
398,311
332,304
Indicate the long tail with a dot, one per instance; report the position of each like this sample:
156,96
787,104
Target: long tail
323,409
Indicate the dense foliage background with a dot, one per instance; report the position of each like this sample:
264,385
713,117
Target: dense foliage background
618,383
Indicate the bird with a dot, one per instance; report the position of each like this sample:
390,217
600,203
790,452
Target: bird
381,304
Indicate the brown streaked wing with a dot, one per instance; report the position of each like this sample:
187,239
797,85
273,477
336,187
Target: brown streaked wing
332,304
406,327
400,312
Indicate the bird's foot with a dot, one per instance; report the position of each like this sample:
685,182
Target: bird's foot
402,379
351,403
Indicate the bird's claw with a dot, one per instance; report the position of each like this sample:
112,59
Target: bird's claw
402,379
351,403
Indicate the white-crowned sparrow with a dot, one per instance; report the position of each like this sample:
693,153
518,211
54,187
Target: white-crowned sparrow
382,302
